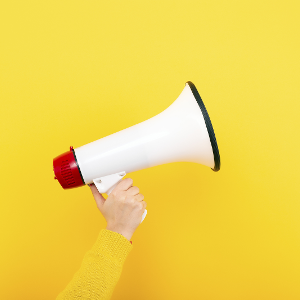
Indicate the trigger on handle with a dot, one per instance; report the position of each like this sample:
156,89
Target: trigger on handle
144,215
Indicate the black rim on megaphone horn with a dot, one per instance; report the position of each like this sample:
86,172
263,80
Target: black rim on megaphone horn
209,127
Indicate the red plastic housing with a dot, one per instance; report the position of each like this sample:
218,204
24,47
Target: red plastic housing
66,170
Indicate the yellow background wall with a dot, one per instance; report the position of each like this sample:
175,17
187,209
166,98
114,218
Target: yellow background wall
75,71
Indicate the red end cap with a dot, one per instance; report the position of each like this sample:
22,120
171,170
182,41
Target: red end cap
66,170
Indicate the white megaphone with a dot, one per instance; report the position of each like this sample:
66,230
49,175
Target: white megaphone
182,132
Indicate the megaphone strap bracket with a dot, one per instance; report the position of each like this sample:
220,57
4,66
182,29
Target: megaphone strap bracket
107,183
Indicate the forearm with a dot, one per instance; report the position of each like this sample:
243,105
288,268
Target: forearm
100,270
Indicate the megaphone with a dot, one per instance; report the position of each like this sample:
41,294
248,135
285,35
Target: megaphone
182,132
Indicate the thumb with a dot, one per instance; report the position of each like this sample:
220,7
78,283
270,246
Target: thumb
98,197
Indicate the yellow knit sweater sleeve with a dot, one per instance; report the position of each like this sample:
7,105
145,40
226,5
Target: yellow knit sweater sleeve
100,269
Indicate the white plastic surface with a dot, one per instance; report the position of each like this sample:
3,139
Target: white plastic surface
106,184
177,134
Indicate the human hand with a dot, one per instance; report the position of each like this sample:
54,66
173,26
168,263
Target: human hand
123,208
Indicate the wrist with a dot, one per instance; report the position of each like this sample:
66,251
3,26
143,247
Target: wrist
121,231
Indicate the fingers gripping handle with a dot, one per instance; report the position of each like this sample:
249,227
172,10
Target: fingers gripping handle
106,184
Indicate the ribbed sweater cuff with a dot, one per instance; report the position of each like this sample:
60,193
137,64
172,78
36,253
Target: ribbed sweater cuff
112,244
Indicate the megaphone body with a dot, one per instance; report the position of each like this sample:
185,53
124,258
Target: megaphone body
182,132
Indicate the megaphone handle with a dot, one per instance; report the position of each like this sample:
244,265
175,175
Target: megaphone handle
106,184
